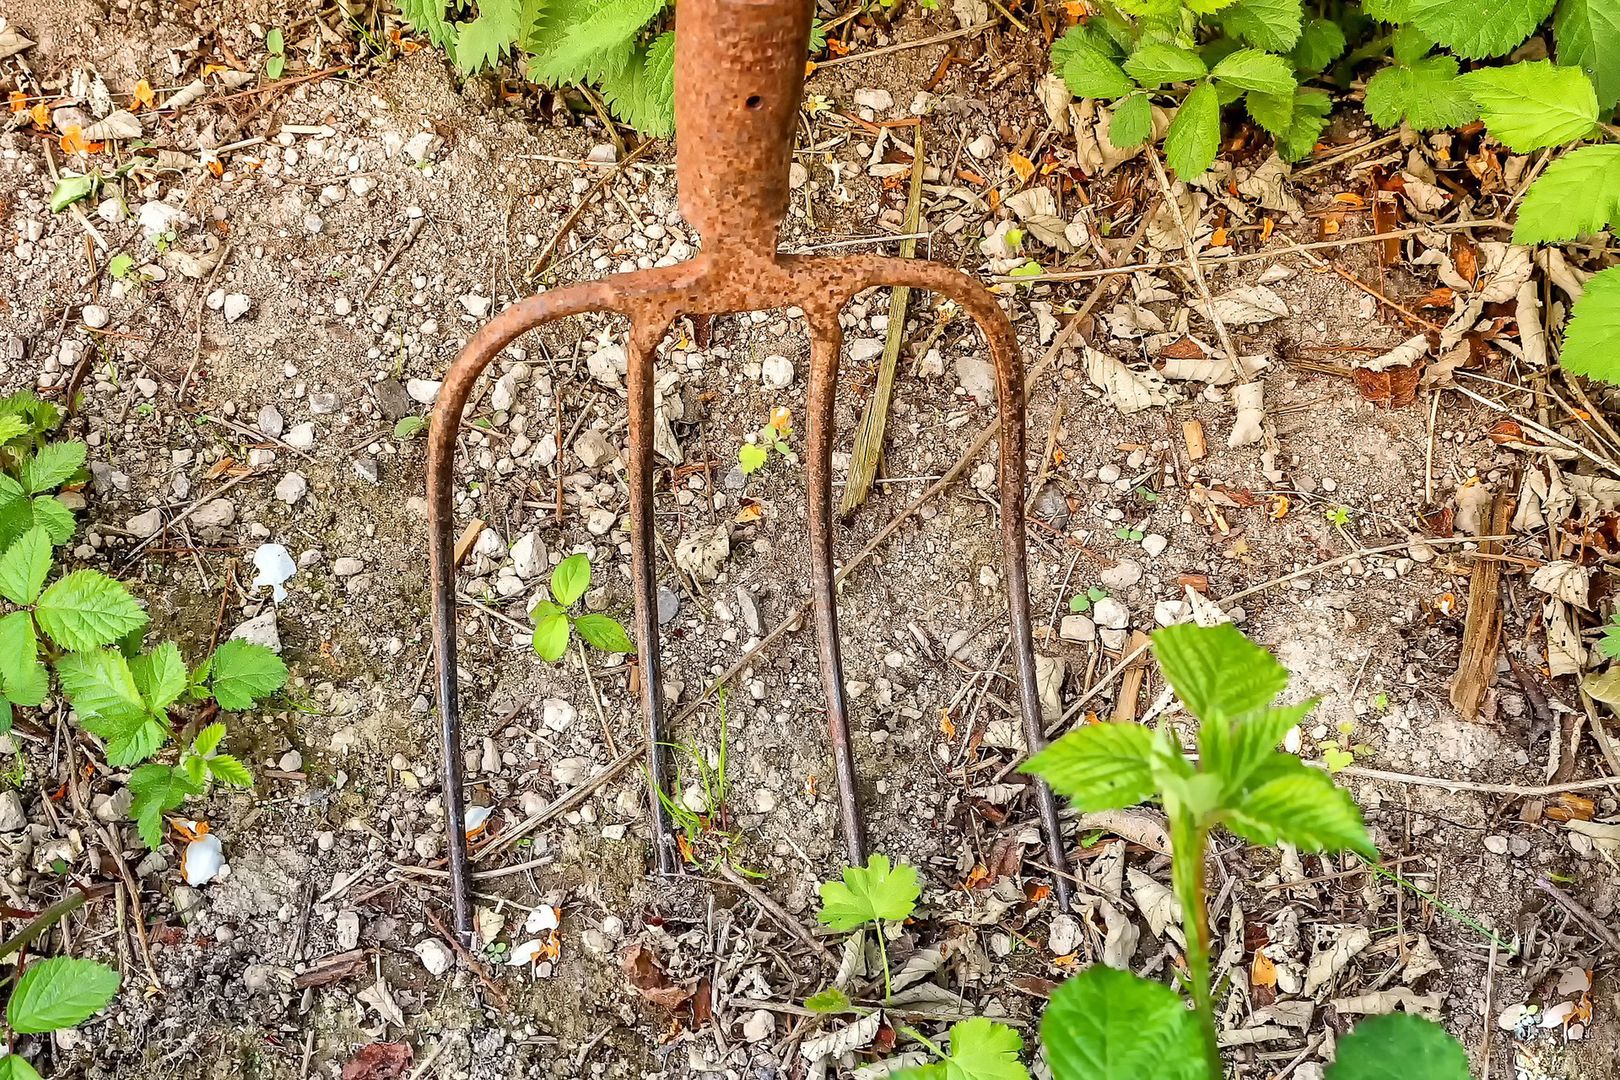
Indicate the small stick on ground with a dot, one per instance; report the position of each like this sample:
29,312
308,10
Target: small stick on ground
1239,376
412,231
775,911
202,311
133,889
1594,925
1482,628
472,962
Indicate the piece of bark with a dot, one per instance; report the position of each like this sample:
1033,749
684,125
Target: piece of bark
1130,683
1482,627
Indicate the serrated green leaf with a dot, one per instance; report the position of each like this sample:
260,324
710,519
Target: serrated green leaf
1311,109
99,685
587,40
828,1002
570,579
196,768
1155,63
1399,1046
484,41
980,1049
156,789
1195,134
1131,122
1235,750
1578,195
1105,1024
227,770
1217,672
24,565
11,427
1321,41
22,677
1253,70
751,457
52,465
48,513
1272,25
87,609
643,95
1274,112
1097,34
160,676
59,993
243,673
1533,104
207,740
1151,11
1592,339
71,188
550,638
1408,45
1389,11
1090,73
1587,33
1105,766
1480,28
868,894
15,1067
427,17
1427,95
604,632
1293,803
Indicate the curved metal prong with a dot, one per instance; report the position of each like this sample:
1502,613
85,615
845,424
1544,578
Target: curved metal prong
825,338
644,339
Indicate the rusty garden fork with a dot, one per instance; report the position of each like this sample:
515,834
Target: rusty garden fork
739,75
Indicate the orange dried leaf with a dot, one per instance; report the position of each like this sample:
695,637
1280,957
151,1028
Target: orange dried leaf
1263,972
143,97
19,101
946,727
213,69
837,47
1265,228
41,115
1218,238
73,142
781,419
1279,507
1021,165
1349,198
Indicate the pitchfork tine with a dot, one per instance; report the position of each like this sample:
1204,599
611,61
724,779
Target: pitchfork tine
644,338
825,338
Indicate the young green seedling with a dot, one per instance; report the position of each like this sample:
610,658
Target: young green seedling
872,894
276,63
552,621
752,456
1080,603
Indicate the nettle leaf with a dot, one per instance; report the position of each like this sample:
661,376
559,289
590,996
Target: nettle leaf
1195,134
587,40
53,465
868,894
15,1067
1480,28
1592,338
157,789
1155,63
1272,25
99,685
208,739
1216,671
1311,109
643,95
1290,802
1131,122
1104,766
1251,69
1578,195
1274,112
427,17
243,672
550,639
87,609
1587,33
160,676
604,632
23,678
1427,95
24,565
570,579
1235,750
1090,73
59,993
484,41
980,1049
48,513
1408,45
1105,1024
1399,1046
1321,42
1533,104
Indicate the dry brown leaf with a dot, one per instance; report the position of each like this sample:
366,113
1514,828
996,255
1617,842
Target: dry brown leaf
647,976
379,1061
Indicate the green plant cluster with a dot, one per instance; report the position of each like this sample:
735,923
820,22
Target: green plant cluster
89,630
610,44
1106,1024
552,622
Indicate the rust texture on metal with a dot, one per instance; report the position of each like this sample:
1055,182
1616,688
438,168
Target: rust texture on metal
739,74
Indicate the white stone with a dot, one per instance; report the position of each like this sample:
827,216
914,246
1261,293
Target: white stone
1111,614
600,521
776,372
236,305
95,316
557,714
435,956
260,630
475,305
301,436
422,391
291,488
1077,628
12,817
1154,544
147,523
529,556
876,100
759,1026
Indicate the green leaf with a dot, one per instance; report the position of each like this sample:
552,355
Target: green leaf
1320,43
1480,28
59,993
408,427
1216,671
274,66
643,94
227,770
13,426
604,632
1130,125
1389,11
1272,25
208,739
550,638
1588,36
24,565
1274,112
1090,73
1399,1046
273,41
828,1002
1427,95
751,457
1195,134
1104,766
71,188
243,673
160,676
1311,109
1592,339
980,1050
427,17
99,684
130,740
1578,195
15,1067
48,513
1294,803
1408,45
1105,1024
570,579
1155,63
87,609
22,676
54,464
1235,752
868,894
586,40
1260,72
157,789
1531,105
484,41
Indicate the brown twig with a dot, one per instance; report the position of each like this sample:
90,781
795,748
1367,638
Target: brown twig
472,963
1594,925
775,911
133,889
